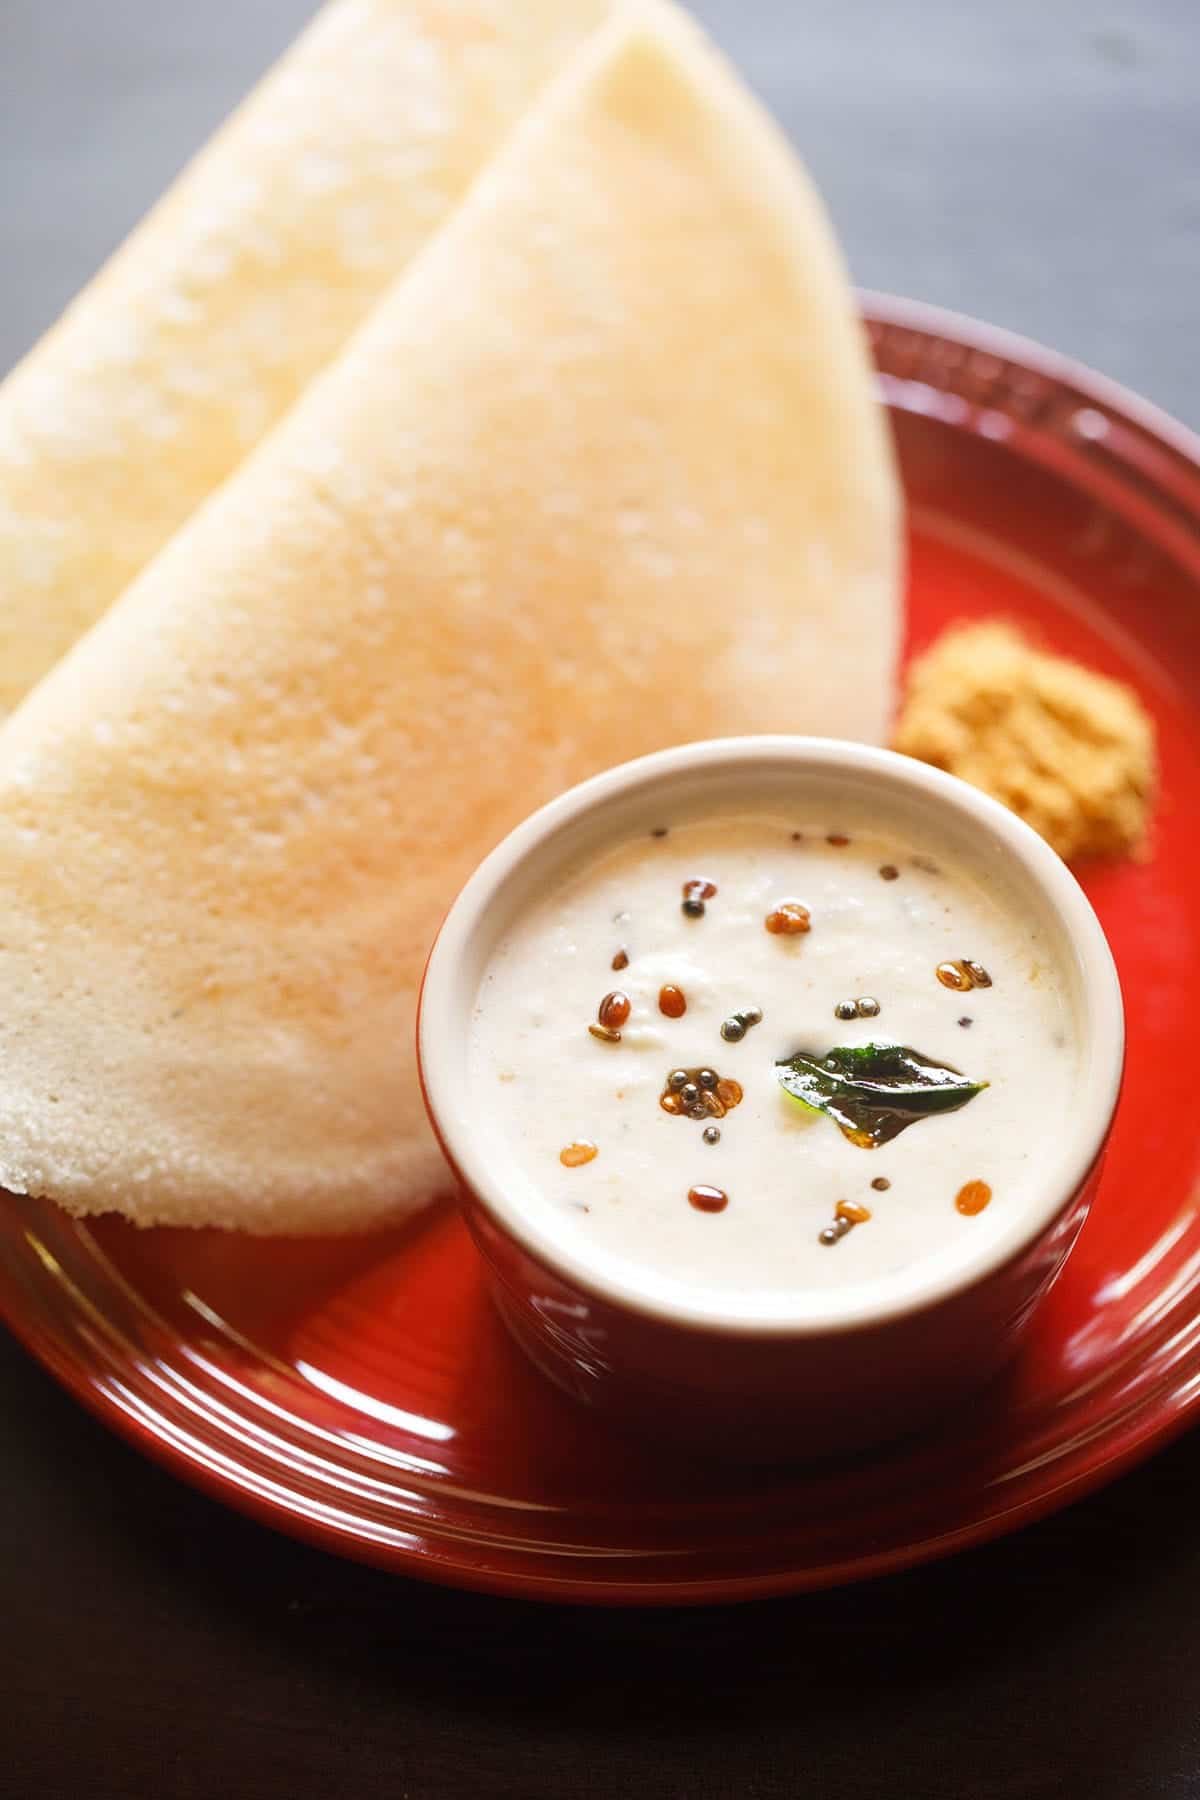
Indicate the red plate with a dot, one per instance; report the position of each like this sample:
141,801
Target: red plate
361,1393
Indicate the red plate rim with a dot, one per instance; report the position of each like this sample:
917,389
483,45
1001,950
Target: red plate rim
923,317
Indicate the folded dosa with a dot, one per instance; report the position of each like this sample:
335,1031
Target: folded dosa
240,285
602,473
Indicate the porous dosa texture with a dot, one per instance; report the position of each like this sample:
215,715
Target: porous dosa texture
243,282
603,473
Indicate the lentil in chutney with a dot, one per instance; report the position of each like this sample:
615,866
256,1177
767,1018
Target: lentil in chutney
786,1043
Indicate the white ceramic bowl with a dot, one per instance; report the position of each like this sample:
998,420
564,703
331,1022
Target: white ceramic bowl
760,1373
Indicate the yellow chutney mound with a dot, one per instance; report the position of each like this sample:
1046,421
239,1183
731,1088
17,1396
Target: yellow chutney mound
1072,752
603,472
244,281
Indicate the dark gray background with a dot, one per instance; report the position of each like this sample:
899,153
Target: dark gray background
1035,162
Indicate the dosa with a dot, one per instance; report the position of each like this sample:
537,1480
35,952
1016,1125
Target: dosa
603,472
242,283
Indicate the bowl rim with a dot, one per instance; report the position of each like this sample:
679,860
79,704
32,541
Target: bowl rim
1101,1061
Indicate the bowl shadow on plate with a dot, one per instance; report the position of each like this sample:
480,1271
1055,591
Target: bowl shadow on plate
391,1340
401,1323
388,1338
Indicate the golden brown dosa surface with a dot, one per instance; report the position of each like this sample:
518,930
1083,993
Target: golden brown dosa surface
603,472
242,283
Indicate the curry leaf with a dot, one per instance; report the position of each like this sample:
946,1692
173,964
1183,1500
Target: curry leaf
873,1092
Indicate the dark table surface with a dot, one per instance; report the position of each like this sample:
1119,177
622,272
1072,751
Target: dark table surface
1037,164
